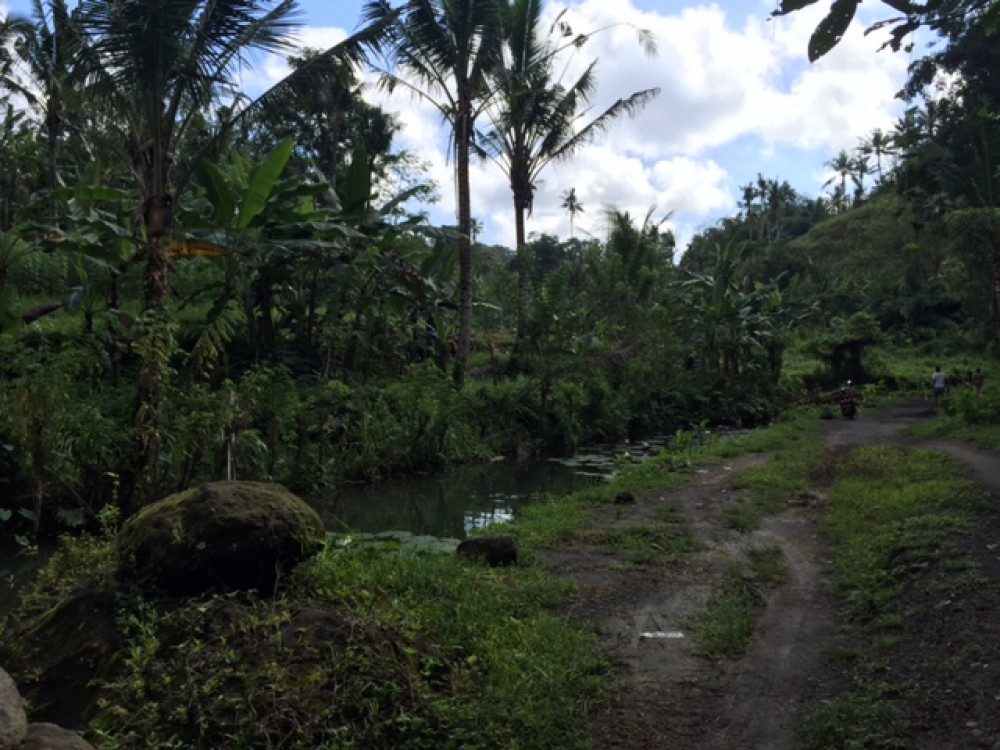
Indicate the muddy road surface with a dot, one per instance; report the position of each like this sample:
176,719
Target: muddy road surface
669,698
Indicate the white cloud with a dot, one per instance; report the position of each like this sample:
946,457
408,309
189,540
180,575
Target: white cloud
723,78
265,72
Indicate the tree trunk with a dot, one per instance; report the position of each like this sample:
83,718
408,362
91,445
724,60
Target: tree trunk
158,214
463,135
995,258
523,286
53,129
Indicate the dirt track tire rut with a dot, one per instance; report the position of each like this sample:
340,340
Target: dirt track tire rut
670,699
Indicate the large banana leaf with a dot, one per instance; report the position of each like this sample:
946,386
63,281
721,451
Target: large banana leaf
263,181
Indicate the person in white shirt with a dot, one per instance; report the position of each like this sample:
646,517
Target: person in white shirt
939,384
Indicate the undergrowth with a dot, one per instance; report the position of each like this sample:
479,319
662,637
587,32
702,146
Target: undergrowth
889,512
360,649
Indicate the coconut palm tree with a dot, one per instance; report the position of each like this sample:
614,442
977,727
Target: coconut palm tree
47,44
572,206
536,118
152,66
878,144
443,52
843,165
861,170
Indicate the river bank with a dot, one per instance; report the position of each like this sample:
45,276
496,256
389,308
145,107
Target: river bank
696,601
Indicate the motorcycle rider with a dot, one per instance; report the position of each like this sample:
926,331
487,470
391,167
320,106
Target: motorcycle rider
848,406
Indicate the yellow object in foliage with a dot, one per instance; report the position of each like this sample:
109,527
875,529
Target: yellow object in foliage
196,249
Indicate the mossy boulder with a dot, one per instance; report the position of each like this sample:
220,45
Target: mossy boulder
223,536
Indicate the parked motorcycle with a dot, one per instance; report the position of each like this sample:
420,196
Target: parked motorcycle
848,403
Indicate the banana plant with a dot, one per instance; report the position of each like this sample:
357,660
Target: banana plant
98,248
13,252
258,225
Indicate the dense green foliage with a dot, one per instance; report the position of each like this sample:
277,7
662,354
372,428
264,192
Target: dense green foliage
239,302
192,291
359,649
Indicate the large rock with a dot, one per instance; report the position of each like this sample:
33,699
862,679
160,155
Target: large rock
13,722
43,736
222,535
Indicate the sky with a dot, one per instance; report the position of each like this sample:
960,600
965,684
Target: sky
737,97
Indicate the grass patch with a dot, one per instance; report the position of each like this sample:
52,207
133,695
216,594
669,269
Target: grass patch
649,544
553,521
670,514
865,718
741,517
966,416
360,649
796,444
724,627
768,564
891,509
890,512
788,433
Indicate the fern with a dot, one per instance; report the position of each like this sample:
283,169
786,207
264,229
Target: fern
216,332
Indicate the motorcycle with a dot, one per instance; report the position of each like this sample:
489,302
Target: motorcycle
848,404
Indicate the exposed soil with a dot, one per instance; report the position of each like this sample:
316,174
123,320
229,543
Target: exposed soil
948,668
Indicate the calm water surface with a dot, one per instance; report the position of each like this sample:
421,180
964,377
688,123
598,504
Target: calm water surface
454,502
447,504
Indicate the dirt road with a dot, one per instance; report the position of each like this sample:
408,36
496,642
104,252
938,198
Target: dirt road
671,699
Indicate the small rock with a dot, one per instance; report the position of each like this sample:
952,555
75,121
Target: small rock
624,498
44,736
13,721
493,550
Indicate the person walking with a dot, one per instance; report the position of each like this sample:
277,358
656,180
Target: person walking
939,384
977,381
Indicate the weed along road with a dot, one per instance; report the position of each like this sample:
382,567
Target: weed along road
822,589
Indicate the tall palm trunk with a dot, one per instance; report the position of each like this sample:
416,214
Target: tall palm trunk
157,216
994,245
53,130
523,285
463,135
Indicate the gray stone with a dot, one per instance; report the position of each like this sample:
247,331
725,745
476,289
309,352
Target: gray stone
624,498
13,722
493,550
222,536
43,736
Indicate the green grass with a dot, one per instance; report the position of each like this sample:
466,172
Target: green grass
796,444
864,719
891,508
768,564
553,521
741,517
359,649
967,416
787,434
649,544
668,514
724,627
889,511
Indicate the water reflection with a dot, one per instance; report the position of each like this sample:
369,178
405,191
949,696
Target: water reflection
450,504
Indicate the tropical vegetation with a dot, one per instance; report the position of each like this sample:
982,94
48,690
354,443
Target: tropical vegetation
196,285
